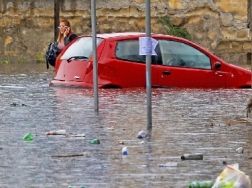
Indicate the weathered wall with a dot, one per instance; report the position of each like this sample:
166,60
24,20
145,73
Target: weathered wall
26,26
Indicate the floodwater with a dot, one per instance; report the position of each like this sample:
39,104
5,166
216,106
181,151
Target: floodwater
211,122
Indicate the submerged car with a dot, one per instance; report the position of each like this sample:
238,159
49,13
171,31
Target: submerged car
178,63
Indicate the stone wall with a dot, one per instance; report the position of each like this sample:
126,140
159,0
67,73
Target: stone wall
26,26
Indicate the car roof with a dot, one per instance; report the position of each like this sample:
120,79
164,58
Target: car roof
119,35
129,35
125,35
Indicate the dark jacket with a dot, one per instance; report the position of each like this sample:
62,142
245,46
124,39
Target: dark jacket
69,38
53,50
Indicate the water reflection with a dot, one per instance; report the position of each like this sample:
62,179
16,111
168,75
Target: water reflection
184,121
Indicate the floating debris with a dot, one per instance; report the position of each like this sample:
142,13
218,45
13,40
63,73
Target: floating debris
169,164
13,104
69,155
28,137
141,134
231,177
77,135
192,157
224,162
240,150
57,132
125,151
249,107
201,184
95,141
210,124
236,121
121,142
76,186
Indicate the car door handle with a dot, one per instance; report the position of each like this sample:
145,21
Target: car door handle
220,74
166,73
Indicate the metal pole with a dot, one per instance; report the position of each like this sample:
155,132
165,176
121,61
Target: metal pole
56,18
95,67
250,27
250,68
148,66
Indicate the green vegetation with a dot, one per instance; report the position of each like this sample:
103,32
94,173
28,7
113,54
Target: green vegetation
40,57
4,61
172,29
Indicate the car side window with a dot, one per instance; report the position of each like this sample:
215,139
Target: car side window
178,54
129,50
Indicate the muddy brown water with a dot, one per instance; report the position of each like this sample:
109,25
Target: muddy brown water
210,122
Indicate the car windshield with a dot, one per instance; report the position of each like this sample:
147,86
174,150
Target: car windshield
82,47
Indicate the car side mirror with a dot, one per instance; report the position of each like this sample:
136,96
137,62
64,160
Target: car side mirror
217,65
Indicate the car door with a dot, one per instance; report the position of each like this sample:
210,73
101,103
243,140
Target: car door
186,66
129,67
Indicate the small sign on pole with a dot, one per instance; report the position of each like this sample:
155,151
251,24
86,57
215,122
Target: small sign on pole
147,46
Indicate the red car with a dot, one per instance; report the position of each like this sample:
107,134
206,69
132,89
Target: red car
178,63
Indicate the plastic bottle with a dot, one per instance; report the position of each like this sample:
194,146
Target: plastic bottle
141,134
77,135
95,141
240,150
125,151
201,184
28,137
58,132
169,164
192,157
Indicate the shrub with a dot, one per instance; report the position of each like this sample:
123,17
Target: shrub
172,29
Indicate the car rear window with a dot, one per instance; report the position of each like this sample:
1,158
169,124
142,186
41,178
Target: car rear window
129,51
81,47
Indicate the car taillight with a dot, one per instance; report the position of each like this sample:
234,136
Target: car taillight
89,67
